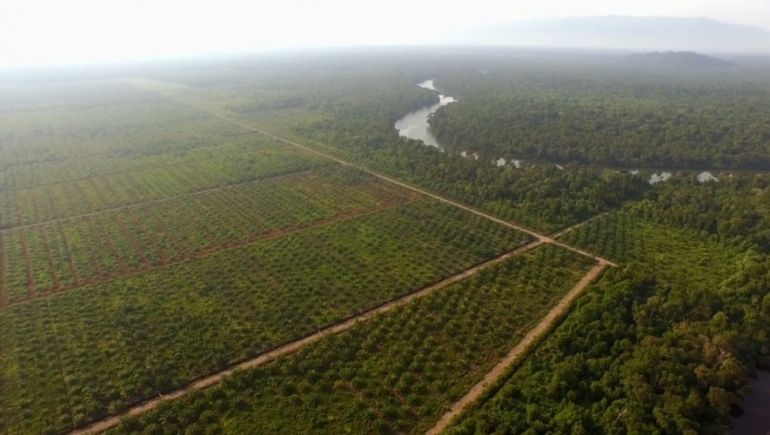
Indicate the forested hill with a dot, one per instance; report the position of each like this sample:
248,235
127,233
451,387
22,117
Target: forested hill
678,59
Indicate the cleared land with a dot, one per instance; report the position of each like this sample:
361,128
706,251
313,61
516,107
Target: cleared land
650,348
542,237
250,159
295,346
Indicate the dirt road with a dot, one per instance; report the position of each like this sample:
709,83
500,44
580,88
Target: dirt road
520,350
535,334
295,346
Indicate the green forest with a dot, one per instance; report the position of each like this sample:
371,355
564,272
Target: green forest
612,115
664,344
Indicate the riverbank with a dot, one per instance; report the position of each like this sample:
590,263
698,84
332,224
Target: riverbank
414,125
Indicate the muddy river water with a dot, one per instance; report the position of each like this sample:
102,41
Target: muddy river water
415,124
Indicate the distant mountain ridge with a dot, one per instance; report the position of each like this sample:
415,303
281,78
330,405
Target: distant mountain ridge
678,59
624,33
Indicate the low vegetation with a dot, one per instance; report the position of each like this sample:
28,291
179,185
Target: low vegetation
128,339
394,374
74,252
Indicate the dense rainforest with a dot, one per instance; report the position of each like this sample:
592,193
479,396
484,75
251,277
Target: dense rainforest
610,114
678,59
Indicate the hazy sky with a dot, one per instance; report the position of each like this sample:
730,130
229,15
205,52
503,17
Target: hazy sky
64,31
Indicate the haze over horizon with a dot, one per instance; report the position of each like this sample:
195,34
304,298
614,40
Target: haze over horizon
71,31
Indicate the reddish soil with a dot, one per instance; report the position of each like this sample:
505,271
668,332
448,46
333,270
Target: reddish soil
130,272
75,273
52,203
3,274
159,252
539,331
68,194
231,221
137,186
113,248
131,240
541,237
85,235
31,288
98,191
51,264
138,204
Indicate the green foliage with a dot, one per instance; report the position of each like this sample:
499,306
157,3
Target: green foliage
178,279
735,210
128,339
638,355
666,343
396,373
361,130
63,255
145,179
609,114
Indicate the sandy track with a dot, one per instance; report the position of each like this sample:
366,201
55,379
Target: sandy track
582,252
388,179
295,346
520,350
3,273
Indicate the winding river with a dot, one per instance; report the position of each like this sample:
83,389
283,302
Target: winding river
415,124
